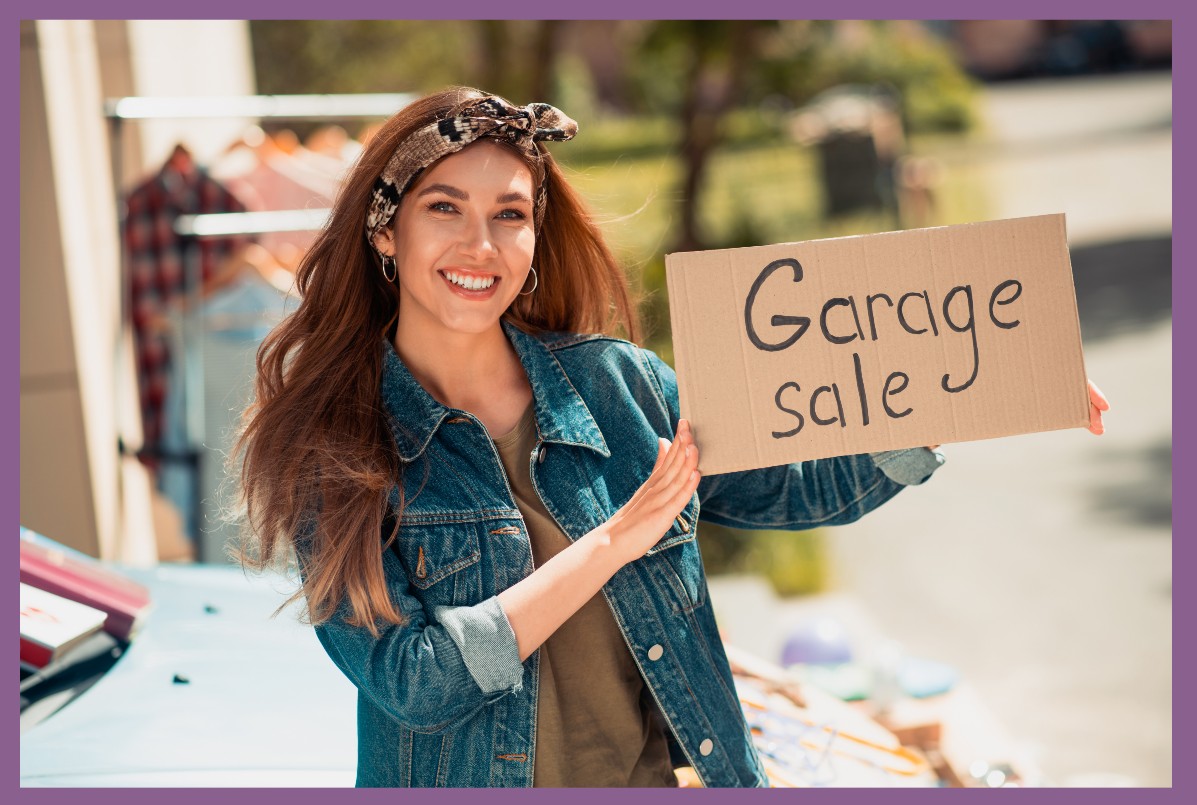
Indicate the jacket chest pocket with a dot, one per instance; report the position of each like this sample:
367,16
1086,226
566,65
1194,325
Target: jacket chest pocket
442,561
675,564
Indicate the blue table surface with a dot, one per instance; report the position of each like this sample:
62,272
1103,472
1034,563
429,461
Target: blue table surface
262,705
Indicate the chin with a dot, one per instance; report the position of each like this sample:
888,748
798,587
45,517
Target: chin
471,325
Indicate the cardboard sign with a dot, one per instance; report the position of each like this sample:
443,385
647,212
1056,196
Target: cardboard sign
878,342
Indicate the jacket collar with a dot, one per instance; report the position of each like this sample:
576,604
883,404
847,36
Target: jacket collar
561,414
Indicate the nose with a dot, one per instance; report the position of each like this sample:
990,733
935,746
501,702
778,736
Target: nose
476,239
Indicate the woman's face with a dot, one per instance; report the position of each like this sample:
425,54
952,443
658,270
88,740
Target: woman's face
463,241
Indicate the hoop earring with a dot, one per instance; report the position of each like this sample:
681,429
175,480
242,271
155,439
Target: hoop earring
389,260
535,282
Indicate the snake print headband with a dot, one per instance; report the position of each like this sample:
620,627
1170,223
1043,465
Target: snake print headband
489,117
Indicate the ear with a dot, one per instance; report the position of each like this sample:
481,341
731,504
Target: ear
384,240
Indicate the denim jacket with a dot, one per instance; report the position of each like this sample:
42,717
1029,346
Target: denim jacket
444,699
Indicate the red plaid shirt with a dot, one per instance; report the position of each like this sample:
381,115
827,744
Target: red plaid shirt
157,260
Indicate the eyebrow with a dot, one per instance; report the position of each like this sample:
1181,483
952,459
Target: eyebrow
448,190
461,195
507,198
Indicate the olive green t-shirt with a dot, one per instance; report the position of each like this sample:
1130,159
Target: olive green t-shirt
594,723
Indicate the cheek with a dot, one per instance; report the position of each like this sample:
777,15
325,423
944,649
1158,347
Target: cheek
415,247
523,245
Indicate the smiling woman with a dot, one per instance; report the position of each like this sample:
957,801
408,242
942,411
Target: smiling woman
465,233
491,497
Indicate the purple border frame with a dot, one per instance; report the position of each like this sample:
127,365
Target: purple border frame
619,9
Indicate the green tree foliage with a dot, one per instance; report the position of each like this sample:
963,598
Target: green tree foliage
341,56
708,64
935,92
515,58
789,62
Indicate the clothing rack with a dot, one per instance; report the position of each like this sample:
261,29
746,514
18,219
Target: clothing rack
195,228
130,110
226,224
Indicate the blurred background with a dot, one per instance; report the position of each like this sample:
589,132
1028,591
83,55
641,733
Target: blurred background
1035,569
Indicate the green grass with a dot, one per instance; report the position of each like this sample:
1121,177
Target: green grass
795,563
767,193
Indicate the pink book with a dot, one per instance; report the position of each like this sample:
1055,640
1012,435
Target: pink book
81,578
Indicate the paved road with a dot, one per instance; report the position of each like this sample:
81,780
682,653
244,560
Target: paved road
1099,150
1040,565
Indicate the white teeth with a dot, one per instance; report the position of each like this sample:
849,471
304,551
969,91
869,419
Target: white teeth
470,283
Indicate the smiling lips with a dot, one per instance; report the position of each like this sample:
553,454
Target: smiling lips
471,286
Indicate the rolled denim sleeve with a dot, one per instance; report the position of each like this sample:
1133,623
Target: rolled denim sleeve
435,670
909,467
832,491
487,644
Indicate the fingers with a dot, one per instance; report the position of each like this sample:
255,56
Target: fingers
675,471
665,453
684,458
678,486
639,523
1097,404
663,446
686,486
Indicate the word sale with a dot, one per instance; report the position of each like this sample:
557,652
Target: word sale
841,322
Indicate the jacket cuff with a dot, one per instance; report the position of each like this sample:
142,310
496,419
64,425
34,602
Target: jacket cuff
487,644
910,466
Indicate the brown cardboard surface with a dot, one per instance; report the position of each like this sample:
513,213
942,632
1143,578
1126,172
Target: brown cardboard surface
1011,365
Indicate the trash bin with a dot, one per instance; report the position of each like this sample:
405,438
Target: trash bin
851,173
857,133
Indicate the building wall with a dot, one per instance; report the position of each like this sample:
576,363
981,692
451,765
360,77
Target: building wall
171,58
75,373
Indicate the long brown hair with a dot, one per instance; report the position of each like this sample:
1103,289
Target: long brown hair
317,459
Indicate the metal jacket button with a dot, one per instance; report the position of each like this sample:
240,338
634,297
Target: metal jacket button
540,455
706,747
656,652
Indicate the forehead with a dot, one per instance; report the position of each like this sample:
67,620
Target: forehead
483,165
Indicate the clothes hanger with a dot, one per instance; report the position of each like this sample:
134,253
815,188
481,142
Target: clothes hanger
254,259
251,139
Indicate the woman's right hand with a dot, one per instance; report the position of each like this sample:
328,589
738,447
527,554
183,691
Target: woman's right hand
644,519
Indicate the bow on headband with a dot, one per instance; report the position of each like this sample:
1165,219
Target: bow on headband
490,117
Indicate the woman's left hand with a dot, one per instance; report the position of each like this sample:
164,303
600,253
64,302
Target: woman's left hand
1097,404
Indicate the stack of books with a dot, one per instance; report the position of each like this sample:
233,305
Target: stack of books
51,626
78,615
77,577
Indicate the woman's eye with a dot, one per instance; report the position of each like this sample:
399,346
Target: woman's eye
512,215
440,206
